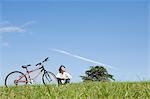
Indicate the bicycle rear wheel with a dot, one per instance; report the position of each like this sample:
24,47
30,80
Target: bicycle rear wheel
49,78
15,78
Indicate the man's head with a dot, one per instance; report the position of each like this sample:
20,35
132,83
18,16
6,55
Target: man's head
62,69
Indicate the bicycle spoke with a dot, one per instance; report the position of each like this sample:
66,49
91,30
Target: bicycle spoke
49,78
15,78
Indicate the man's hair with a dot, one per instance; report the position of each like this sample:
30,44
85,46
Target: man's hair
60,68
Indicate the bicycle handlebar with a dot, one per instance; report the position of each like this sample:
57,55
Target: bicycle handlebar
38,64
46,59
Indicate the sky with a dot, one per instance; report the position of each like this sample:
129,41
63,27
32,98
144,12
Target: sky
77,34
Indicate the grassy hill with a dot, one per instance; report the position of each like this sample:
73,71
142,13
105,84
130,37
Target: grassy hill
90,90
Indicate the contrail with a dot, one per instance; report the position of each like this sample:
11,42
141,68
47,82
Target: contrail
82,58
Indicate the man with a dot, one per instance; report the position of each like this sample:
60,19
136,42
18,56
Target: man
63,77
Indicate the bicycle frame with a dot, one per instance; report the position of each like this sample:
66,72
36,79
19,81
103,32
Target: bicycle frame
27,74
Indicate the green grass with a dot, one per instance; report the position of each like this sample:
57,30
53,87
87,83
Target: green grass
90,90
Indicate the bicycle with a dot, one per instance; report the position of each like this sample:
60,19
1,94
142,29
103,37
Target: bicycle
18,78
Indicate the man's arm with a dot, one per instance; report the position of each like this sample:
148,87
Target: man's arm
68,76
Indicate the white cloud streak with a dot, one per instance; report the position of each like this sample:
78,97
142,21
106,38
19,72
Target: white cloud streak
11,29
27,24
83,58
16,29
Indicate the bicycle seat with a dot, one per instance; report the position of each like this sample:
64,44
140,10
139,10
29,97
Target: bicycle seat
25,66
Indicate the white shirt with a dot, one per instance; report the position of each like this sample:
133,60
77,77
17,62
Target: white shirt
65,75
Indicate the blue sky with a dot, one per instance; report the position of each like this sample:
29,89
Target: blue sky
112,32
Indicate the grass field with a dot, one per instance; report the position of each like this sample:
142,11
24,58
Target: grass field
90,90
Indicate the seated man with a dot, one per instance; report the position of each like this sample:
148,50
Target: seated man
63,77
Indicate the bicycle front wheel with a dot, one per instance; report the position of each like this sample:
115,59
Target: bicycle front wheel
49,78
15,78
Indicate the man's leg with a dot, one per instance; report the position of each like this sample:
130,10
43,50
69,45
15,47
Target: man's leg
67,81
59,81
